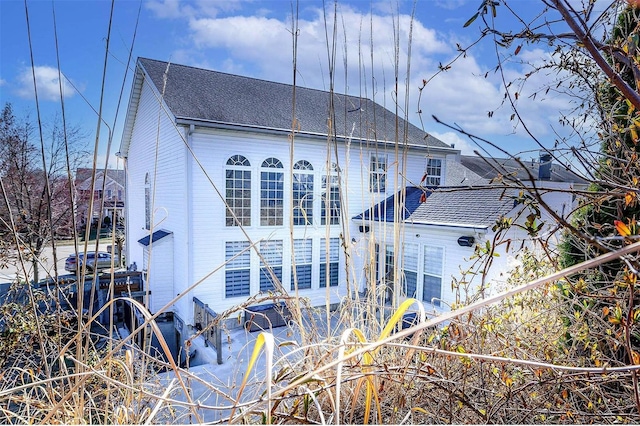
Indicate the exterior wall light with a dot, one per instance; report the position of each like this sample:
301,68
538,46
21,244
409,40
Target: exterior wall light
466,241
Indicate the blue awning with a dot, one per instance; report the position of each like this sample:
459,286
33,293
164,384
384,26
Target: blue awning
155,237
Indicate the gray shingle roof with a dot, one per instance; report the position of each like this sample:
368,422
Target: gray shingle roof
489,168
451,206
463,207
83,178
216,97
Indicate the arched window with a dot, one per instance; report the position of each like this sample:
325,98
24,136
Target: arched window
271,192
238,191
147,202
302,193
330,206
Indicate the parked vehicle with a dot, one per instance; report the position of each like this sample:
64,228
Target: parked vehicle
95,261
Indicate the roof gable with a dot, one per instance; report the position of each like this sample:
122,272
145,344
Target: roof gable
216,98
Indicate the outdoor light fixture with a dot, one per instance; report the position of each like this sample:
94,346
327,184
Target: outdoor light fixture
466,241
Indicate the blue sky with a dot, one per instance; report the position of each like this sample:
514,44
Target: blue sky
252,38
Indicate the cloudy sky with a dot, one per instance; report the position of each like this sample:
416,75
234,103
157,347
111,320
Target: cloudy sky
375,40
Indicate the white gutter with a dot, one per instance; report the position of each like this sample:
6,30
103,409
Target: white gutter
212,124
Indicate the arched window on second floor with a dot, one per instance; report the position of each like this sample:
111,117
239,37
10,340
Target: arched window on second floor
302,193
271,192
238,191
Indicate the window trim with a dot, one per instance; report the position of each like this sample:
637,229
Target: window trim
235,205
272,251
438,298
378,172
302,257
272,208
302,209
330,259
330,186
430,177
233,266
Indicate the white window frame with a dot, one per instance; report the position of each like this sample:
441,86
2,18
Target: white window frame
378,164
330,259
271,252
433,271
303,198
302,261
272,192
433,171
242,262
238,165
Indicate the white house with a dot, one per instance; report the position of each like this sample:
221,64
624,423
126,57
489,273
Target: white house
236,186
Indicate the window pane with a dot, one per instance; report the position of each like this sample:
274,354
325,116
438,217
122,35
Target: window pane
432,288
271,252
302,198
334,256
432,279
411,283
238,192
238,272
271,197
303,275
377,173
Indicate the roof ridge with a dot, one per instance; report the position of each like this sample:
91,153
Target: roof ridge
253,78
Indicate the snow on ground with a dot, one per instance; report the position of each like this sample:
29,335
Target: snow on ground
203,380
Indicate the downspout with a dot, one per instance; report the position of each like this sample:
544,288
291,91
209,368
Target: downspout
189,221
127,255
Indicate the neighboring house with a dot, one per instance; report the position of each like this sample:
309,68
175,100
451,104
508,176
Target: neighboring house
555,184
107,203
322,208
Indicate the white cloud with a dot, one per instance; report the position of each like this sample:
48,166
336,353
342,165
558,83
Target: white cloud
260,45
455,139
2,82
47,83
177,9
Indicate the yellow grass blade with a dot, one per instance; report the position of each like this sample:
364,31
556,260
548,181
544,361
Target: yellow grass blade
266,340
397,316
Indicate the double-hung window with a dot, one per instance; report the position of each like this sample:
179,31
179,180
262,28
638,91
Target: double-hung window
432,275
433,172
237,269
271,192
330,205
302,193
378,173
302,259
329,258
271,253
410,269
238,191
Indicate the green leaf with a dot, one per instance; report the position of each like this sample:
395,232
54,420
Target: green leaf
470,21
